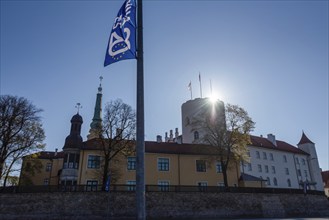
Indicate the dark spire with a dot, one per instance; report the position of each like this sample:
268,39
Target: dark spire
304,140
74,140
96,124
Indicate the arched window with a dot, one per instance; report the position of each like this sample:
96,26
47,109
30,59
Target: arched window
196,135
289,182
275,181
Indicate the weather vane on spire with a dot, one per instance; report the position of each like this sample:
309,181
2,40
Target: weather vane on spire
100,79
78,106
100,84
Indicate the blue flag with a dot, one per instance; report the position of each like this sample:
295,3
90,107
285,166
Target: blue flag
122,42
107,185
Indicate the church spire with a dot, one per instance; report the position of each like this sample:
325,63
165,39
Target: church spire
96,124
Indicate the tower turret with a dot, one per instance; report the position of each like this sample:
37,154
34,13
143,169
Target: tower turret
308,146
197,109
96,124
74,139
72,145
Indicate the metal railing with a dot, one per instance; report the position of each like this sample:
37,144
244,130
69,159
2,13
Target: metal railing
152,188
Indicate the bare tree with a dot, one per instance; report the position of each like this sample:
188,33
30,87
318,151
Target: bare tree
228,131
119,130
21,132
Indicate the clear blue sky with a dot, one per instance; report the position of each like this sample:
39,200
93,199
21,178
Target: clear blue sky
270,57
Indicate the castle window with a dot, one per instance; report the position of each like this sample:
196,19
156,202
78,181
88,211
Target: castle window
257,155
92,185
48,167
219,168
202,185
271,157
93,162
76,161
273,169
131,163
303,161
259,168
264,156
131,185
201,166
268,181
305,172
163,185
163,164
275,181
287,170
285,158
289,182
46,182
196,135
249,167
299,173
266,169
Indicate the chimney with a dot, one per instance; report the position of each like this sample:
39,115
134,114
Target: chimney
179,139
176,133
56,150
166,137
271,138
171,136
159,138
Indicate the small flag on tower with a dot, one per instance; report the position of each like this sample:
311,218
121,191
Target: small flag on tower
189,86
122,41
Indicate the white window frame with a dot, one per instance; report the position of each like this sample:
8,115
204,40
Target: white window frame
93,168
131,185
163,170
163,185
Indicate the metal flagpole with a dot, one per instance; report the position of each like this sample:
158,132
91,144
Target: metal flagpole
190,88
210,88
140,179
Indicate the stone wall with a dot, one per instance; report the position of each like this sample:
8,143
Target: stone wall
121,205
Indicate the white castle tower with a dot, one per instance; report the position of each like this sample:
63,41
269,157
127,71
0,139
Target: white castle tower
315,172
196,108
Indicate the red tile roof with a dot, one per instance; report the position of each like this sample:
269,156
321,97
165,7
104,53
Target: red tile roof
304,140
174,148
162,147
281,145
325,178
188,149
199,149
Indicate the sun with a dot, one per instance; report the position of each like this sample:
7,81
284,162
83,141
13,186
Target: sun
213,99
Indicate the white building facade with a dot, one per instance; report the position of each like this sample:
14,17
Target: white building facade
280,164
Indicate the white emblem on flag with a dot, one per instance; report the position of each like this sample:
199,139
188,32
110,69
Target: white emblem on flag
115,39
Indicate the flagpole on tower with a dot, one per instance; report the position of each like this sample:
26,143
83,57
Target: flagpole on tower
140,151
190,88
